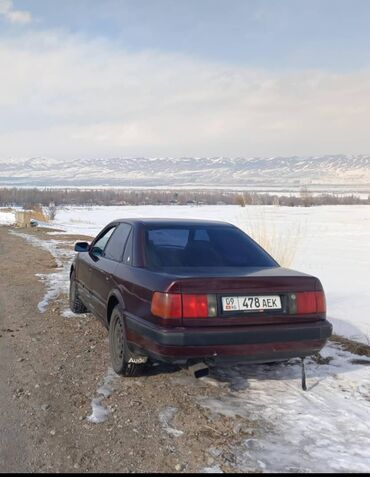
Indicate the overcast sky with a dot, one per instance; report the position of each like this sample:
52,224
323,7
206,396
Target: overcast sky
101,78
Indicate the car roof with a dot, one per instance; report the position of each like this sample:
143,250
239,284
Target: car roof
173,222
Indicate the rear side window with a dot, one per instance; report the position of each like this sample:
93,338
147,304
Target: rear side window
203,246
116,245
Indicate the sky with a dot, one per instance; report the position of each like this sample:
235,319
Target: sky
103,78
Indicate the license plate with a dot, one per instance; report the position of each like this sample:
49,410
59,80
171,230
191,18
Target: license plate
251,303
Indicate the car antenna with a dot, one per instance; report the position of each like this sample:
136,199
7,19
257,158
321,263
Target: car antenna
304,387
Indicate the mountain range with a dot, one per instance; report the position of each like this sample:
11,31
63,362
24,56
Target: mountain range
322,173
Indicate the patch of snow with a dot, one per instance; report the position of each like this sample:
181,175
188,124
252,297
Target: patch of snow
215,469
55,286
56,282
326,429
165,417
56,233
7,218
100,413
67,313
211,381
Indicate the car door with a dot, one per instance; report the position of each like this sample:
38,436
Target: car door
104,265
86,262
89,267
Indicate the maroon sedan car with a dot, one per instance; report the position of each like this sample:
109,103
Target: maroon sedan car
184,291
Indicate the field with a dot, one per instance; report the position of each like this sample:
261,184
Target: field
330,242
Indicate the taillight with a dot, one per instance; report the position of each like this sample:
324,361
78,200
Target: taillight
195,306
176,305
321,302
166,305
303,303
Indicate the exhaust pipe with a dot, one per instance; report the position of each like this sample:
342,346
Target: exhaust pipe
198,370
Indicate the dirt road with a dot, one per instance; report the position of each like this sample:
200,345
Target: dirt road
51,367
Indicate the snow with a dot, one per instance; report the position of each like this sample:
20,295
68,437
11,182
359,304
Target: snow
333,244
100,413
6,217
212,470
56,282
165,417
326,429
67,313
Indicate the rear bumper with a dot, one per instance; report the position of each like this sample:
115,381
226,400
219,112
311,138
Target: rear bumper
242,343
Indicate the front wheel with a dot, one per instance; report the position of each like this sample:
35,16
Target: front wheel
75,303
124,362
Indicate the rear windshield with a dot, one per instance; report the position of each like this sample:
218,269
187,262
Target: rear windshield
202,246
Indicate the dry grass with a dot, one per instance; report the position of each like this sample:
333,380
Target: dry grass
39,214
351,346
281,244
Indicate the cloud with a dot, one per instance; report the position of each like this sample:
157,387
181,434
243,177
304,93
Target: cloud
13,16
64,95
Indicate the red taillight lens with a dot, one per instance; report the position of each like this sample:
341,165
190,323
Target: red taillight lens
176,305
166,305
310,302
306,302
195,306
321,302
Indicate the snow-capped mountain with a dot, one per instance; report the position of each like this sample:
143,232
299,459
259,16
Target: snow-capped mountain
320,172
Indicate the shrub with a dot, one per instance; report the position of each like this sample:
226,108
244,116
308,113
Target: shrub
281,243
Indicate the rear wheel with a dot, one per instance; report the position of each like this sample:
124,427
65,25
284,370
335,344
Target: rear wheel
75,303
124,361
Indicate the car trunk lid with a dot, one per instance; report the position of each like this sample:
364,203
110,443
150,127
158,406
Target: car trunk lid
269,283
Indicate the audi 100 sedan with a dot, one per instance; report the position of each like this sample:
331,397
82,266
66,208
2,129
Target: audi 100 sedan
188,291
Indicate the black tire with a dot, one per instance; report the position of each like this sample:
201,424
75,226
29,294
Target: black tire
75,303
119,351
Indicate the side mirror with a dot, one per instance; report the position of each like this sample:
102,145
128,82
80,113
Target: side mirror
81,247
